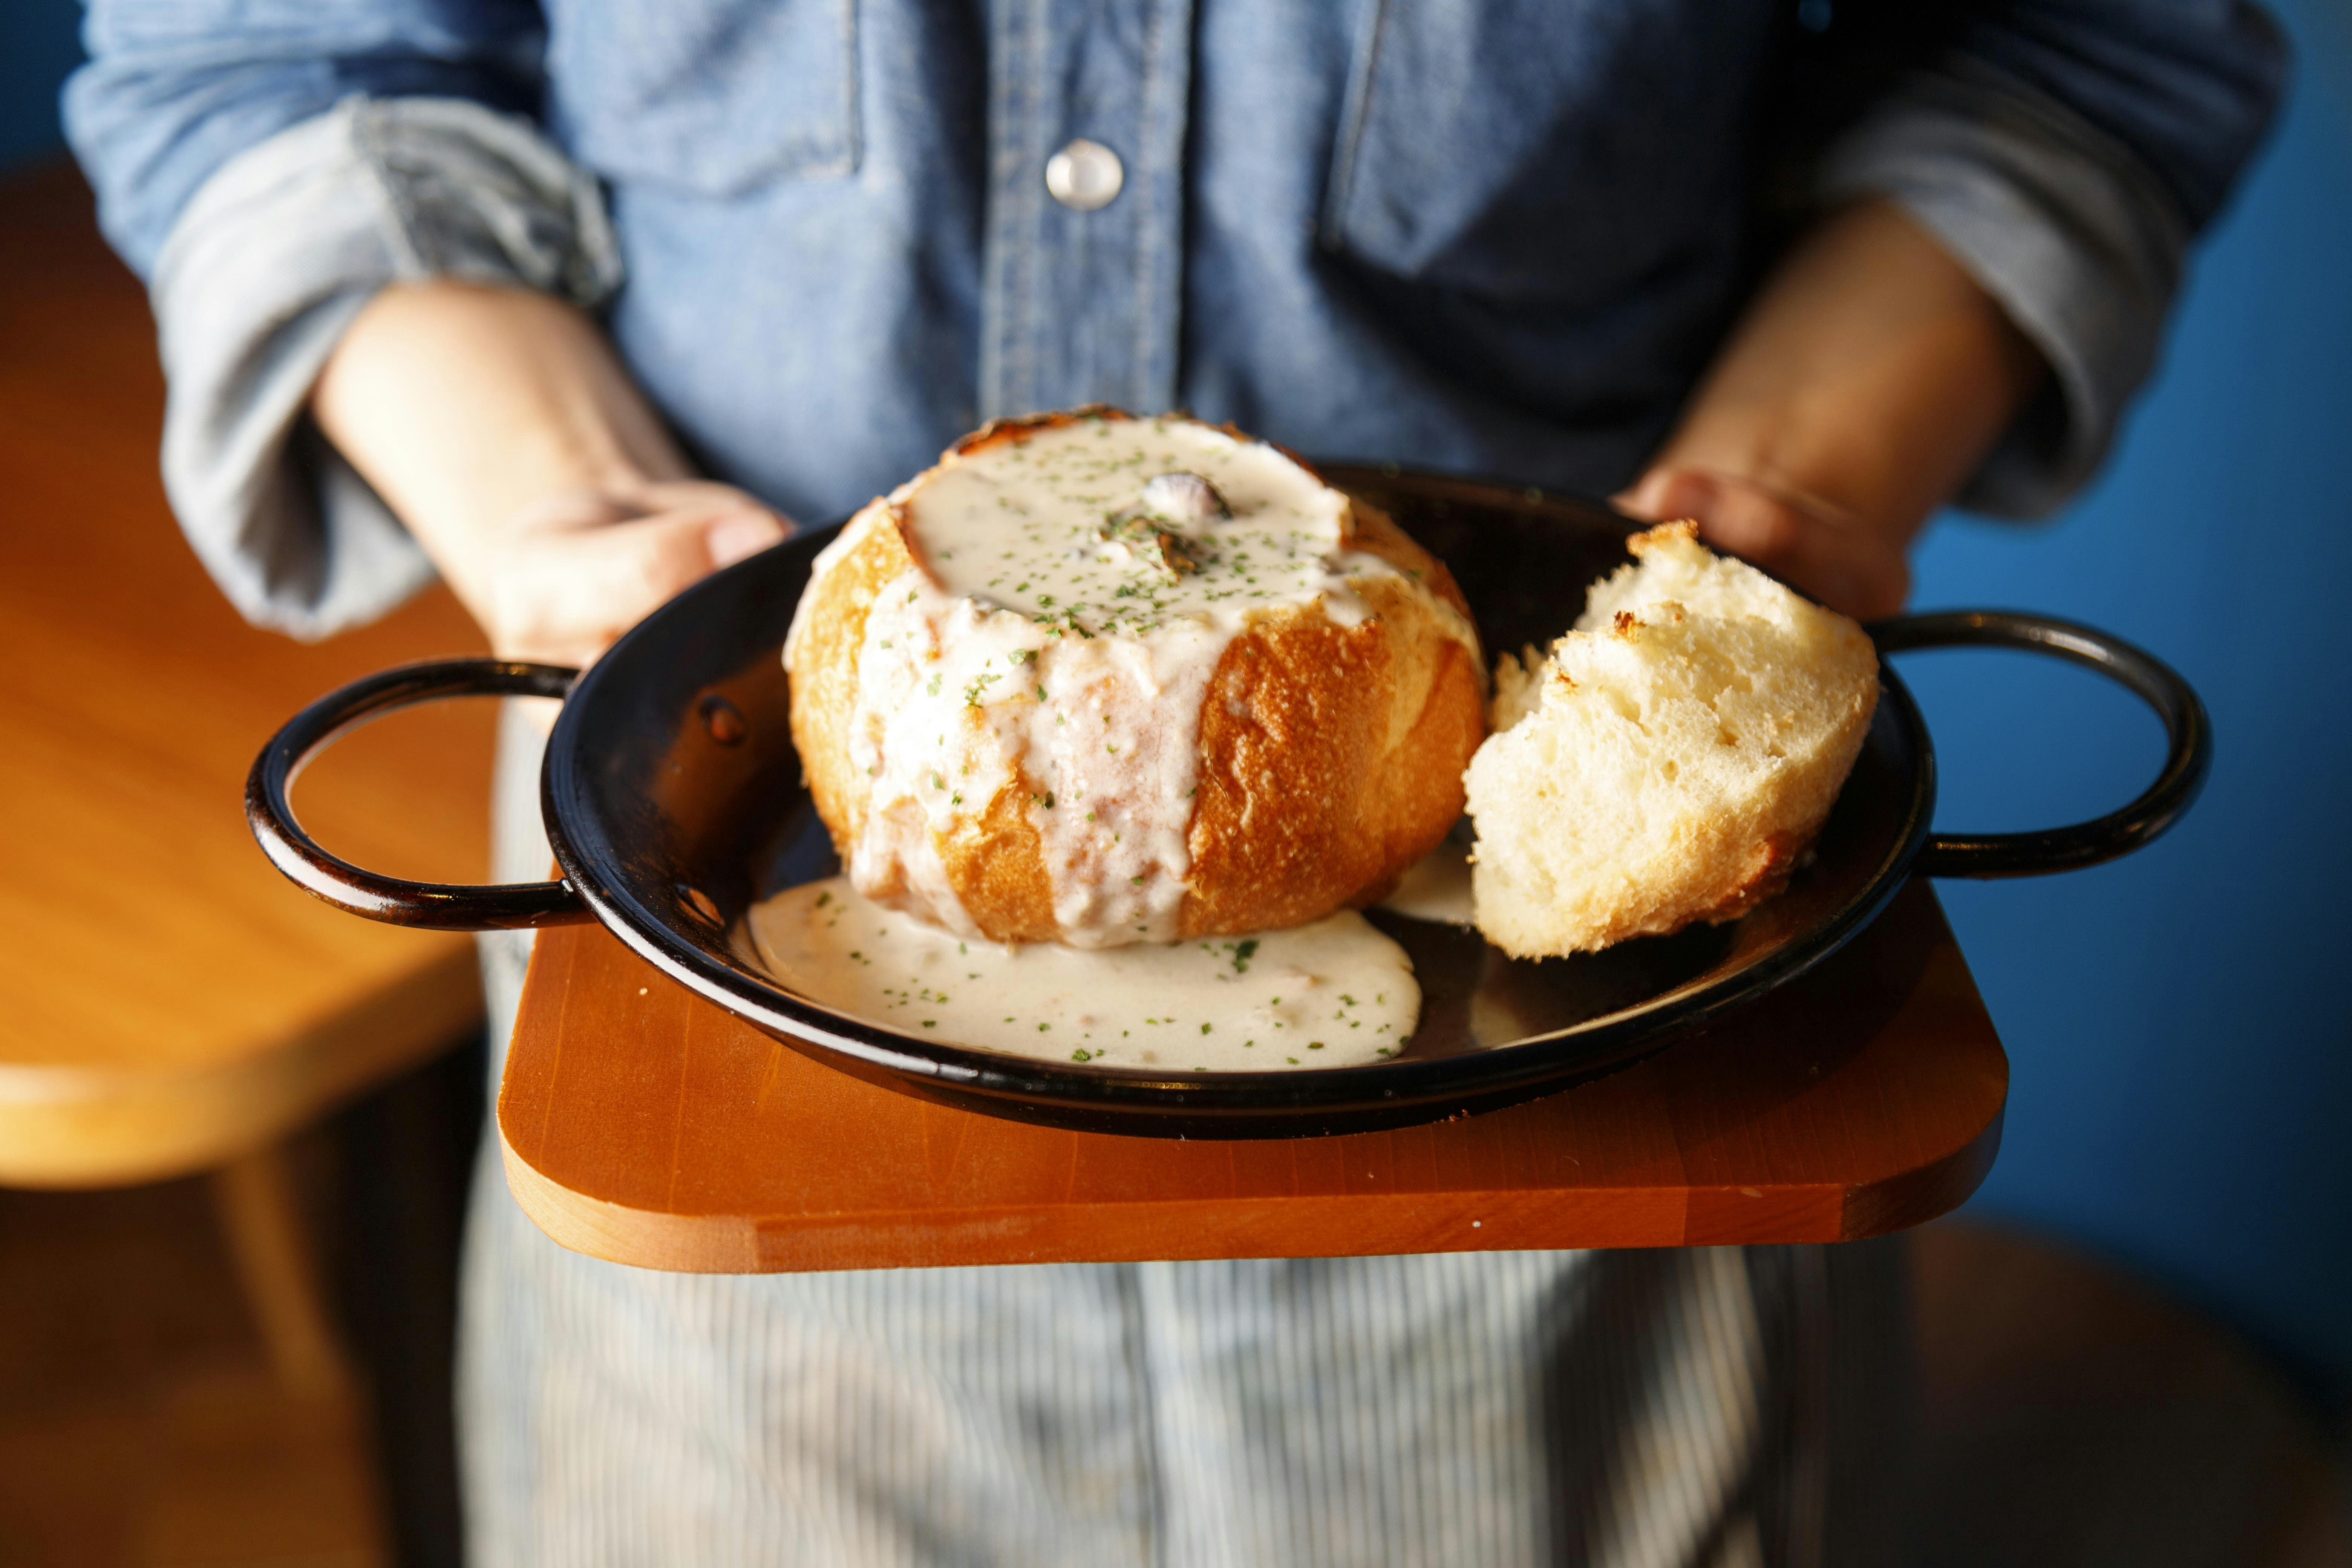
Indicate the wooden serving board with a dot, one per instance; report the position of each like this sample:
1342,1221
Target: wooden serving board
644,1125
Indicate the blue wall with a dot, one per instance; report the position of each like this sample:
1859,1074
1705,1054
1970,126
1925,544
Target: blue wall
2180,1023
39,43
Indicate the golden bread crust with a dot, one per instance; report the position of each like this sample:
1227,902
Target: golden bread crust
1330,757
827,637
1332,760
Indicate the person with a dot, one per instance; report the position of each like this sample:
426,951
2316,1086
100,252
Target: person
573,308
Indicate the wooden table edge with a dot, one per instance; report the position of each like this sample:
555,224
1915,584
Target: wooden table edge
1139,1230
94,1127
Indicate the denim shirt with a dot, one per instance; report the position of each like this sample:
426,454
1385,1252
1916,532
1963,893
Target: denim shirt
1501,237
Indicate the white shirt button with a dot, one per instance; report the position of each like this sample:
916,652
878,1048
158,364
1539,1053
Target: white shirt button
1084,175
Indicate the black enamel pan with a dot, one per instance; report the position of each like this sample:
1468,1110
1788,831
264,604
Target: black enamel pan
674,801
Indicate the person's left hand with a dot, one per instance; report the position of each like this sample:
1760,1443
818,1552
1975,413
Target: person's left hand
1869,377
1810,543
563,577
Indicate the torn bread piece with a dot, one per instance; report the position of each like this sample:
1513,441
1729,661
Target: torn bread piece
1671,760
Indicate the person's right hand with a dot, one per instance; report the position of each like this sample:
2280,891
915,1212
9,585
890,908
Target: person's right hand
498,425
572,570
1868,378
1807,542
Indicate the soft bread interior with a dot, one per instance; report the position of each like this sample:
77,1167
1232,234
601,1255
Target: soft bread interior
1671,760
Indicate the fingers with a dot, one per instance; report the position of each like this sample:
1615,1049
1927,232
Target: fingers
732,535
707,498
599,506
1830,557
564,594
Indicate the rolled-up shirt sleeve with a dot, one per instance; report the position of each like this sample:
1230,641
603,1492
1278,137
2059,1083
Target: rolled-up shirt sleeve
2066,154
261,276
265,215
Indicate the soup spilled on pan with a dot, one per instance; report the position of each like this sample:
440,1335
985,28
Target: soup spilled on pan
1334,994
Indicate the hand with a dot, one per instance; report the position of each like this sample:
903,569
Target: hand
1804,540
1868,377
568,574
498,425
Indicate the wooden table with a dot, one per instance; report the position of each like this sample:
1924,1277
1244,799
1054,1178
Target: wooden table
173,1005
171,1001
644,1125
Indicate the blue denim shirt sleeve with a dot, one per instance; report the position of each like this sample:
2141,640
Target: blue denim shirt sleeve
2187,87
246,170
265,269
2066,154
174,88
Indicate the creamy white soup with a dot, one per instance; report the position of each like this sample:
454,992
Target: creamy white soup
1334,994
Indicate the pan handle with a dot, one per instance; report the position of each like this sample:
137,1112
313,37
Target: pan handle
2189,742
434,906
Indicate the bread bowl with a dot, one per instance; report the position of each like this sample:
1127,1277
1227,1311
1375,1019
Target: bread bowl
1096,680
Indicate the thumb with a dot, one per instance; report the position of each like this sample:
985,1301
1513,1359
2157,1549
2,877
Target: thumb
735,535
1805,541
1737,517
1665,495
566,595
628,568
648,559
